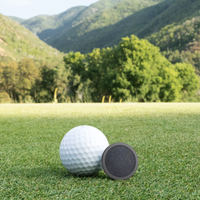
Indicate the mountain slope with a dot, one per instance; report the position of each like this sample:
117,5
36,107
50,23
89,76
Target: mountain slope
68,18
142,23
177,36
95,8
176,11
17,42
59,30
104,23
17,19
180,42
42,22
95,31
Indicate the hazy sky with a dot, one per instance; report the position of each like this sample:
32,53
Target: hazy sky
26,9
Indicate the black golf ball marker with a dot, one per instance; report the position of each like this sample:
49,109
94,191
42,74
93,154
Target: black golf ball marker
119,161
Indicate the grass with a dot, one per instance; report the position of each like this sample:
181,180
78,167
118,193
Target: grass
166,138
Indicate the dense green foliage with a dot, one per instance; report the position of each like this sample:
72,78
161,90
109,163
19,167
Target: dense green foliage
23,60
164,136
17,42
25,82
132,70
180,42
170,25
176,36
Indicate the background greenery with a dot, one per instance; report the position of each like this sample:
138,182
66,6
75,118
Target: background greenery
171,25
104,23
164,136
17,42
127,69
134,70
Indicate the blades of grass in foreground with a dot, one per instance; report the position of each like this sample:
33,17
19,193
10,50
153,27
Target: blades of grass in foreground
166,138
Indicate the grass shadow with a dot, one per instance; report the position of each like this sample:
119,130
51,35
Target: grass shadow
53,172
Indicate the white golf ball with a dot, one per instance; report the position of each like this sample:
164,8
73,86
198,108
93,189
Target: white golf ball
81,150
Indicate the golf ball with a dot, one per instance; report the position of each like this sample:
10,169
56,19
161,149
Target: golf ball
81,150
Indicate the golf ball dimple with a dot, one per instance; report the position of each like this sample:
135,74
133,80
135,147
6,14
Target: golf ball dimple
81,150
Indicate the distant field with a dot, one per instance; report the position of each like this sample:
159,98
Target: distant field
165,136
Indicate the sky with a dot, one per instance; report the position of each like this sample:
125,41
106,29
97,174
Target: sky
26,9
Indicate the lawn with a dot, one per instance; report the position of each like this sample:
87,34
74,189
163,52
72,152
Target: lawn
165,136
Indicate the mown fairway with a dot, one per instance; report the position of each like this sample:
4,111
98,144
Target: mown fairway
166,138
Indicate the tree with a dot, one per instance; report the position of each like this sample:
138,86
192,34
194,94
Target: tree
9,78
43,90
62,83
133,69
75,65
98,64
187,77
28,73
143,72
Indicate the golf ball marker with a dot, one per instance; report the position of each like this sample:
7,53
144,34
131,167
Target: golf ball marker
119,161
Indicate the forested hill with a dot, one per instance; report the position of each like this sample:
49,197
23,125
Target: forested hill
40,23
17,42
180,42
106,28
99,30
68,30
105,22
46,26
17,19
172,25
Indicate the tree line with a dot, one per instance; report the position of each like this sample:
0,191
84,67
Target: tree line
133,70
24,81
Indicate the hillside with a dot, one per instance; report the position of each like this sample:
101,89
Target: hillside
17,42
67,19
103,30
94,31
180,42
17,19
172,25
54,30
104,23
40,23
177,36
